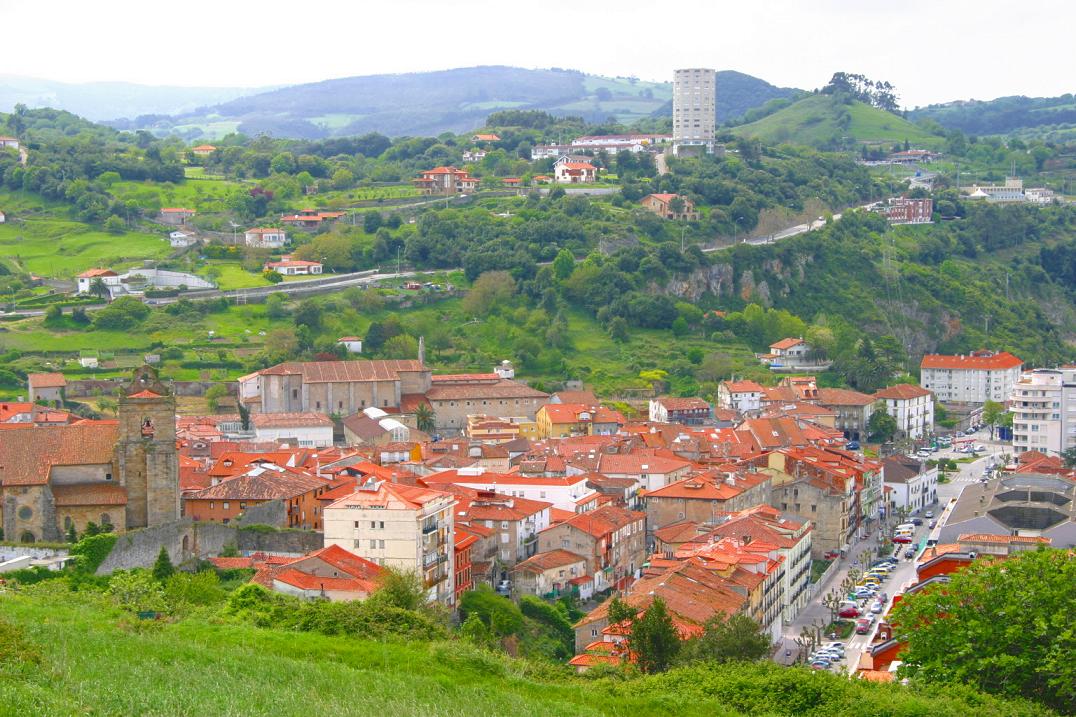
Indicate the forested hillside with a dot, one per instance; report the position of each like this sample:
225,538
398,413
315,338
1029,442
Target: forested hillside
1004,115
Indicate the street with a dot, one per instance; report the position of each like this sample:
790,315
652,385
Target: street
904,575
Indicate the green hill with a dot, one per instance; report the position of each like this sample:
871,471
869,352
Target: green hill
821,121
1003,115
74,653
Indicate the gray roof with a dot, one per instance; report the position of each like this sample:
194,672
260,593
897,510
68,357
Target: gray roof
1018,502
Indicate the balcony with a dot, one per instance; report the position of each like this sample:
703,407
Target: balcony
428,528
431,559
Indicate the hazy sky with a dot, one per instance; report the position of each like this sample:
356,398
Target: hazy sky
932,50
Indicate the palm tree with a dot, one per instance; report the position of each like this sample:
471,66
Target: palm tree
424,417
98,288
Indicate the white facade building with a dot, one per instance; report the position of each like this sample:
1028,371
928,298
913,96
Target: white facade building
400,526
265,238
694,108
566,492
742,396
911,484
308,430
975,378
1043,404
911,406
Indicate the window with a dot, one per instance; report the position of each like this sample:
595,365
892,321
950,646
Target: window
357,544
504,537
317,404
295,393
224,505
211,505
504,525
25,513
356,525
814,508
381,544
373,544
385,403
108,476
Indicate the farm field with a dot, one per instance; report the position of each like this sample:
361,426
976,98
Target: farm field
61,249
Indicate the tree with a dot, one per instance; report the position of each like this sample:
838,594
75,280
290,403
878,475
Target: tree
619,611
274,305
343,178
54,316
679,327
992,415
881,427
654,639
98,288
400,347
618,329
308,314
1003,626
114,225
124,313
729,638
216,392
273,276
371,222
475,631
72,536
400,589
490,290
424,417
563,264
162,567
1069,457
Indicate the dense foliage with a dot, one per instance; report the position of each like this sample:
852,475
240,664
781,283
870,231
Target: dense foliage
1005,626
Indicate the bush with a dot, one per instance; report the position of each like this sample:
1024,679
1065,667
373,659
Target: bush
498,613
202,588
92,550
136,591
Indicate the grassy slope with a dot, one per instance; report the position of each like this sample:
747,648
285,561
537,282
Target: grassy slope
76,654
812,121
61,249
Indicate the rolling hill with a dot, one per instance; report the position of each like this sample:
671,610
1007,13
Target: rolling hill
429,103
1003,115
821,121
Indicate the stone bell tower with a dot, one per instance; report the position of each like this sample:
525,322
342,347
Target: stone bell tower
146,457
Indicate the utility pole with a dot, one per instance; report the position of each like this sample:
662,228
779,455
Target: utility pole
683,228
986,319
1007,286
398,250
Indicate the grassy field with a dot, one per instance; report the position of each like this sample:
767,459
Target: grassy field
206,195
61,249
813,121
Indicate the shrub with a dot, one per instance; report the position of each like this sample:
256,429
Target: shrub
92,550
136,591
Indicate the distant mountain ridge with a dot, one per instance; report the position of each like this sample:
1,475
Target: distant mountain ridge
100,101
1001,115
429,103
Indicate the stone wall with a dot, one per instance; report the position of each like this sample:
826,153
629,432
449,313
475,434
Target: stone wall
185,540
272,512
7,552
85,387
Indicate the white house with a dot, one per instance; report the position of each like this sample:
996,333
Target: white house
788,353
911,406
313,430
742,396
294,267
108,277
180,240
9,143
566,171
352,344
2,218
565,492
910,483
265,238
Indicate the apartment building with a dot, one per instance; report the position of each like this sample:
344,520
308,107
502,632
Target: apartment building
854,410
911,406
1043,404
612,539
694,108
402,526
977,377
742,396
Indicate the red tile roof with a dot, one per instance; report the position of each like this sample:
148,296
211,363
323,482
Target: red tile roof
549,560
843,397
28,453
902,392
265,482
743,387
603,521
786,343
86,494
344,371
683,404
93,273
47,380
983,360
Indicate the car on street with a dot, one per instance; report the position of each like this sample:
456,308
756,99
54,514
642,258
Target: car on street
930,514
863,625
877,608
852,445
933,524
902,539
917,521
909,553
848,609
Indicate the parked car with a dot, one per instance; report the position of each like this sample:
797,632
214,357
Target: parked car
917,521
902,539
930,514
863,625
933,524
848,610
909,553
820,665
504,587
852,445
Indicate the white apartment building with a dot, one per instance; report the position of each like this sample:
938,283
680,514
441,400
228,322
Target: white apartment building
694,108
977,377
1043,404
912,484
911,406
742,396
569,492
401,526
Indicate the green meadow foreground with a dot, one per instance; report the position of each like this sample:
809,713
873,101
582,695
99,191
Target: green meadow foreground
74,653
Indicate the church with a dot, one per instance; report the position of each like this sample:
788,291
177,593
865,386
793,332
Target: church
122,473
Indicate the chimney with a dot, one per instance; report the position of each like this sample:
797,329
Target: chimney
422,350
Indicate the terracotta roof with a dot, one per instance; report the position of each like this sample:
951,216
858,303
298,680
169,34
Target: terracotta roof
983,360
265,482
683,404
585,396
590,660
604,520
678,532
548,560
843,397
289,420
1002,539
464,377
177,210
708,486
144,393
577,165
902,392
28,453
232,563
46,380
391,496
559,413
264,230
743,387
504,388
344,371
204,147
786,343
89,494
635,463
93,273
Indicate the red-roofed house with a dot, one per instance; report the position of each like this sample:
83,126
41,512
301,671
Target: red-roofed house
203,150
331,573
566,171
265,238
446,180
705,496
226,500
911,406
742,396
48,387
403,526
549,574
560,420
975,378
489,137
564,492
175,216
665,206
688,411
612,539
107,276
294,267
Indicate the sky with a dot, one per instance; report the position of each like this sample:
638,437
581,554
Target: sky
931,50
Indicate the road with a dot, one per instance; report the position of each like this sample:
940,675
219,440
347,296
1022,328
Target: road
904,575
778,236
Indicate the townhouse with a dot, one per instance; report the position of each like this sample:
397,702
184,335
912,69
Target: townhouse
228,499
612,539
912,407
706,496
